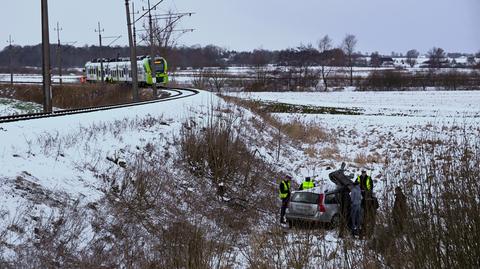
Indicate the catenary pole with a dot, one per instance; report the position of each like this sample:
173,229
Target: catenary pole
102,72
47,90
152,52
10,41
59,52
133,54
134,29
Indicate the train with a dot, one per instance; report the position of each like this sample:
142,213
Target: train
119,70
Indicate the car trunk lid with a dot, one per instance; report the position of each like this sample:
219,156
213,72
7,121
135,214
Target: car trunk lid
304,203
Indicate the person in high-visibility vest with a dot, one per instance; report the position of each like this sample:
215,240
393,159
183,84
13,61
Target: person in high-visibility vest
307,184
368,204
284,194
366,182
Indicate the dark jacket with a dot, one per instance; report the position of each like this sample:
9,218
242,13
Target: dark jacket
400,210
363,182
345,201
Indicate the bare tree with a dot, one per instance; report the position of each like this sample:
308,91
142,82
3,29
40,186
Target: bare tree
165,31
412,56
324,46
260,60
348,46
437,57
471,60
375,59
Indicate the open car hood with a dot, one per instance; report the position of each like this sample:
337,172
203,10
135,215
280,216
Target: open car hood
339,178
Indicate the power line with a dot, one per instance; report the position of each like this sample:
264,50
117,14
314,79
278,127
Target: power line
10,41
145,14
59,54
115,38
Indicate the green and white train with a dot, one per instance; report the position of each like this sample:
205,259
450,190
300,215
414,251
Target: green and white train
119,70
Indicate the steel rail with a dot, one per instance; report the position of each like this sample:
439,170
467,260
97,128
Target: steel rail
179,95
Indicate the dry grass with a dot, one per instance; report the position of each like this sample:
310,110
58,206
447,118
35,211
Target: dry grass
151,208
311,152
362,159
75,95
298,131
330,153
440,228
295,129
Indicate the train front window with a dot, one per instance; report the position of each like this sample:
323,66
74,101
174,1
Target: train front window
159,66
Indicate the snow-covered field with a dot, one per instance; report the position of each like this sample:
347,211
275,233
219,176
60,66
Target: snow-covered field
385,108
386,121
47,160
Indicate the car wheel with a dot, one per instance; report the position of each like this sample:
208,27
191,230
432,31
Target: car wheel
335,222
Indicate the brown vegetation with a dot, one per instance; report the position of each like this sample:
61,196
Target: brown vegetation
295,129
74,96
215,201
441,226
388,80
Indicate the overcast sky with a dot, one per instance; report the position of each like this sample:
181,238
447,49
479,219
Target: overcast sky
380,25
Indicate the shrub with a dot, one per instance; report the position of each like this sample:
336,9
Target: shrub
75,96
441,228
217,156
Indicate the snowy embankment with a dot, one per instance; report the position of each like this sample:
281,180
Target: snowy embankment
48,162
15,107
57,154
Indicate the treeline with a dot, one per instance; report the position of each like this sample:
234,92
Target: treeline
213,56
310,79
194,56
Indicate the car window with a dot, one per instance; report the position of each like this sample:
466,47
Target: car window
305,197
331,199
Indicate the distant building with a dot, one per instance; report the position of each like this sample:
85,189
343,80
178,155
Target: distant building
387,62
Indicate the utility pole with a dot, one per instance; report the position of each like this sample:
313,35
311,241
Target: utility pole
152,53
100,30
133,54
47,90
134,28
59,53
10,41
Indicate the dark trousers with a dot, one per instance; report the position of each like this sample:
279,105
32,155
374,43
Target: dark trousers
345,223
368,217
283,209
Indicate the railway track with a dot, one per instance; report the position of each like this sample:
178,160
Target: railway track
178,93
36,82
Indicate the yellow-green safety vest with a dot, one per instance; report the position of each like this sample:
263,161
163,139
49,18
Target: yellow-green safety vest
369,182
307,185
286,187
